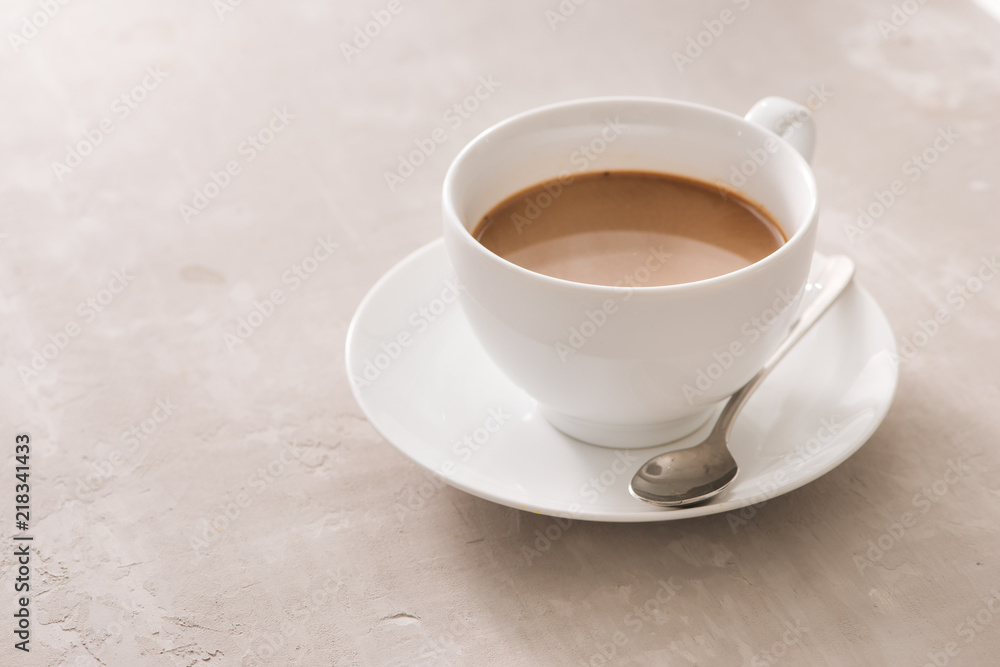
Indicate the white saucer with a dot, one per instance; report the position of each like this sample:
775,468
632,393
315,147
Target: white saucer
424,383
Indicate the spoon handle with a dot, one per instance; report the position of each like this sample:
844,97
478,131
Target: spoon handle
834,278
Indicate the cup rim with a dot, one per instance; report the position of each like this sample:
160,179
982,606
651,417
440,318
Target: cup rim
795,239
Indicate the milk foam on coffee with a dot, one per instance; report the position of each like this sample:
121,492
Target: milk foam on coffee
603,227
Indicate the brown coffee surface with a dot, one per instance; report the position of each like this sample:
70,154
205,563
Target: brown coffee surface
629,227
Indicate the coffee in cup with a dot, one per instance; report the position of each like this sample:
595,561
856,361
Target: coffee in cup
599,226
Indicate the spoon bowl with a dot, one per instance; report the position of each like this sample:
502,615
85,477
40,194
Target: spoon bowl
687,476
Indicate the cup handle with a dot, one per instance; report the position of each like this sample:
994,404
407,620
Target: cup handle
789,120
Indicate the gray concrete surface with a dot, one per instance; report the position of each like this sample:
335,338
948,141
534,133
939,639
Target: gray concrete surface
201,497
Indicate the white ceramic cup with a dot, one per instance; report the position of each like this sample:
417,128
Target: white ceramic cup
633,365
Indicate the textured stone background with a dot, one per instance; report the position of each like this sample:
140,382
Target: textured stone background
136,561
